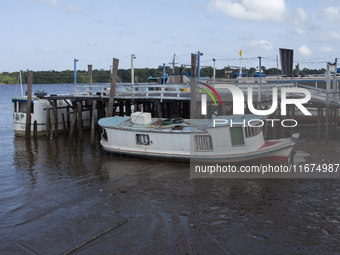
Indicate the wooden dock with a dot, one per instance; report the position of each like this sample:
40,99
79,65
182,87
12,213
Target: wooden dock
175,101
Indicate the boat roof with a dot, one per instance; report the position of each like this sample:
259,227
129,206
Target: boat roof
189,125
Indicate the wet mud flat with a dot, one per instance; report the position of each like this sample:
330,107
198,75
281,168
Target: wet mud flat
163,211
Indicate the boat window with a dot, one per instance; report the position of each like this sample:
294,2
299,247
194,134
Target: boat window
142,139
236,135
203,143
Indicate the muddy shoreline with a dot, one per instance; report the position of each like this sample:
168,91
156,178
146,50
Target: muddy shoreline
169,213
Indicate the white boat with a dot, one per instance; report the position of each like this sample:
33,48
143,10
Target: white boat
39,114
139,135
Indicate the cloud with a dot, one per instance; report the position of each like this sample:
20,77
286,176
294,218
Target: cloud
325,49
60,6
331,14
245,36
304,51
165,2
189,43
330,36
299,21
253,10
94,7
261,44
156,41
92,44
44,49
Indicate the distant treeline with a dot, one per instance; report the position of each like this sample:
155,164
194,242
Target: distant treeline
124,75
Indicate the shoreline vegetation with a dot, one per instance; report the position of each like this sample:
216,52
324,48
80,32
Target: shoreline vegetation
124,75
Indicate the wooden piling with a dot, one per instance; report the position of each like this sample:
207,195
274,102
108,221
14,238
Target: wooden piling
48,122
159,110
55,115
35,129
64,124
68,124
29,104
93,122
80,119
176,110
100,113
135,106
121,108
128,108
113,86
172,112
193,86
73,123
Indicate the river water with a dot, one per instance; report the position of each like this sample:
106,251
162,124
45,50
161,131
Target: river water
54,195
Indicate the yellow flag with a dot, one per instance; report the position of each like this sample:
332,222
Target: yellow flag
240,53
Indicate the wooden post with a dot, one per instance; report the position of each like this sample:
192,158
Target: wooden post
135,106
159,110
80,119
100,112
64,124
55,115
68,119
93,122
193,86
48,122
209,111
35,129
128,108
171,109
113,86
176,109
90,76
73,123
28,108
168,110
121,108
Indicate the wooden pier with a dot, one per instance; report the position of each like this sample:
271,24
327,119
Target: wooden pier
175,101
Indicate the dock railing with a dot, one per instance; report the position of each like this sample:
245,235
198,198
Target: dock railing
319,95
138,91
262,91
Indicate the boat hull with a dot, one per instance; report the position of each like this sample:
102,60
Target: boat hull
121,136
39,114
274,158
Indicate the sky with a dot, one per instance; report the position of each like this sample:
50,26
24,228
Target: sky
49,34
